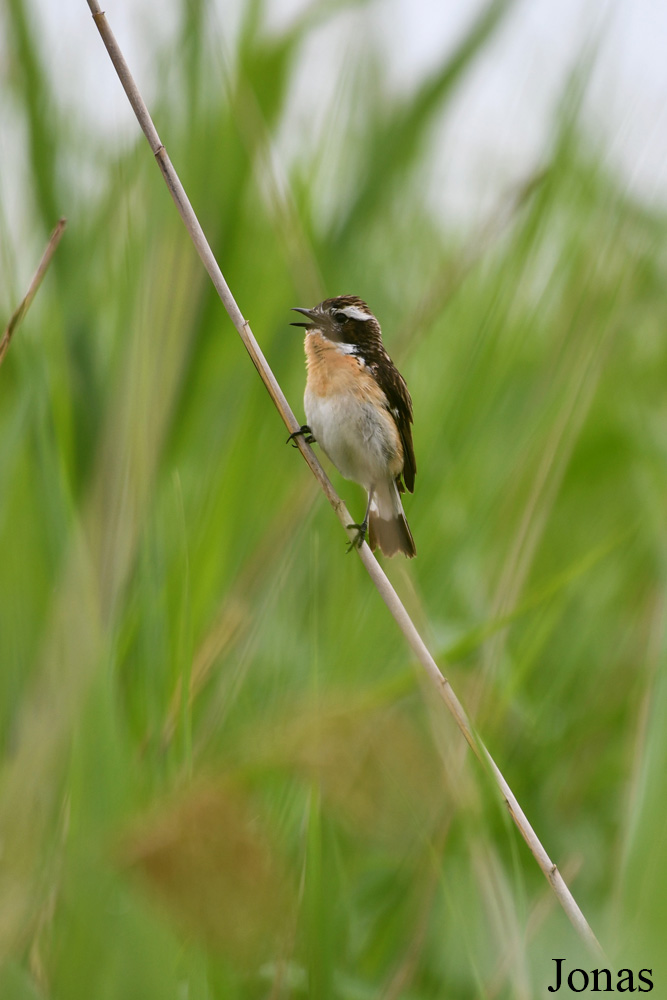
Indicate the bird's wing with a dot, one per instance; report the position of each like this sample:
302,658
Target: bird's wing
399,403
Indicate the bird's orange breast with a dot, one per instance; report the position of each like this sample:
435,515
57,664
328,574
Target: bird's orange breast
331,371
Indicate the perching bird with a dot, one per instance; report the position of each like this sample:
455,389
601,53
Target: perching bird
359,410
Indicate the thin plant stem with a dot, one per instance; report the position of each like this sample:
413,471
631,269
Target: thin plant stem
376,573
24,305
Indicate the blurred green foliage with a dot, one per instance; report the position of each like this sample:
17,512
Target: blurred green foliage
307,821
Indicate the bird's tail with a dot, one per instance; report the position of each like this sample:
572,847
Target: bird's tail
387,527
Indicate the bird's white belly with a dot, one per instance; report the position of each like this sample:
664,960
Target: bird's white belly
358,437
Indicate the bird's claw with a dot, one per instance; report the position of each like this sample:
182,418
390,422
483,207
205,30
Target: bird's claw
356,543
303,430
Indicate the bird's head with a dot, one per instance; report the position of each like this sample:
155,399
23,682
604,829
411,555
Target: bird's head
345,319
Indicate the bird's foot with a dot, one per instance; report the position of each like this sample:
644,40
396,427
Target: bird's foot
357,542
303,430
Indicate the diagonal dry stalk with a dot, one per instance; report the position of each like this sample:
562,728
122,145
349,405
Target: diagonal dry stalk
24,305
377,575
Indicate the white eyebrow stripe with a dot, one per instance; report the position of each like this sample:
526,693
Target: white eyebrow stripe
354,312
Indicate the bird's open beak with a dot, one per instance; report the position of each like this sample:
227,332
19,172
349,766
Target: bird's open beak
310,313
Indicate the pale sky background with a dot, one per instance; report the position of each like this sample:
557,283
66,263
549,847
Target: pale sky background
502,115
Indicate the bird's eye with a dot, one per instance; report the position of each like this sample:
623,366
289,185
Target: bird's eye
342,318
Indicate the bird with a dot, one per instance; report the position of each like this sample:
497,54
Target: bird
359,411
